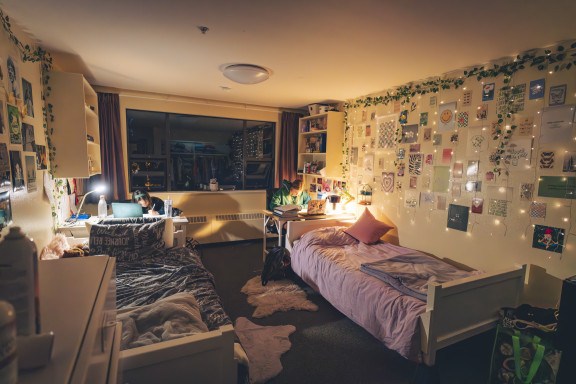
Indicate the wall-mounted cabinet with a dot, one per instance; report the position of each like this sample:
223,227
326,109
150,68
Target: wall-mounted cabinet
76,134
320,145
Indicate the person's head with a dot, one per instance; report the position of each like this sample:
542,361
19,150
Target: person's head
142,198
296,188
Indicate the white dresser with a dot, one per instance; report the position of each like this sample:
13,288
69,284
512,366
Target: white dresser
78,303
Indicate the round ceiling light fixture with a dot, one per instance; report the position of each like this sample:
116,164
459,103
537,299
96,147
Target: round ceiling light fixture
246,73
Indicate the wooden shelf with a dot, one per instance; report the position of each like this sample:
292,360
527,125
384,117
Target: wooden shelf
313,132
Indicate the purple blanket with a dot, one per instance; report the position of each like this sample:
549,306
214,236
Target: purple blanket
411,273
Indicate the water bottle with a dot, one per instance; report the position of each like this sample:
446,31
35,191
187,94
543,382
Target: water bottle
102,207
168,207
19,282
8,361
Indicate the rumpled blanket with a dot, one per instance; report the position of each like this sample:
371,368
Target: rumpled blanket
173,317
410,273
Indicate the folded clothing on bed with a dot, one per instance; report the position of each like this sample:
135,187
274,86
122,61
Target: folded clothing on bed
173,317
410,273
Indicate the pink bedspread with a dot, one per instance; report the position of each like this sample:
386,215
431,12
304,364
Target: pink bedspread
329,261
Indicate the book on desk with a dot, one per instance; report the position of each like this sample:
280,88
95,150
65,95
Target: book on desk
288,210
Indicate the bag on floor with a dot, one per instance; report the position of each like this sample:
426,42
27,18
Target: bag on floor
276,265
522,357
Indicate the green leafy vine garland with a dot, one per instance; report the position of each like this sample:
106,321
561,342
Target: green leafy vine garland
39,55
559,59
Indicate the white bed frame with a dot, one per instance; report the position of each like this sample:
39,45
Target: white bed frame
206,358
455,310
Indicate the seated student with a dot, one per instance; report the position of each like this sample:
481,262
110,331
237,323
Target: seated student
290,193
150,204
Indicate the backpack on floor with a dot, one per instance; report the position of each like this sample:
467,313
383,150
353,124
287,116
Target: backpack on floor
277,265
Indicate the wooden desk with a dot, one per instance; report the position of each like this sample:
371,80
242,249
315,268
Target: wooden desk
280,221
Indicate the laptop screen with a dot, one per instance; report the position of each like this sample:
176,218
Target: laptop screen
317,207
125,210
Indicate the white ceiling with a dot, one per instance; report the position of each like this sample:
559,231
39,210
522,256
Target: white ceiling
317,50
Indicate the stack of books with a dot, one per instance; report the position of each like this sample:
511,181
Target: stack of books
288,210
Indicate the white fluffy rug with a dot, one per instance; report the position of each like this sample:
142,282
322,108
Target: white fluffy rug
281,295
264,347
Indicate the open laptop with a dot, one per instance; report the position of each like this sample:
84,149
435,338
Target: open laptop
316,207
125,210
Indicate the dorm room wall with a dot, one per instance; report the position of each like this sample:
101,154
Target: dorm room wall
30,209
490,242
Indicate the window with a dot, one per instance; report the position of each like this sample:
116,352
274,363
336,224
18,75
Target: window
175,152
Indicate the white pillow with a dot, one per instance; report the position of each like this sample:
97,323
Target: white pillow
167,236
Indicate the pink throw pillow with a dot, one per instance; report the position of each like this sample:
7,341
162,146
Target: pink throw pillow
367,229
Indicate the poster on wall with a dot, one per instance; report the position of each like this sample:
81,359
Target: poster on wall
569,164
5,179
556,125
548,238
354,156
546,159
27,93
498,207
538,210
557,186
5,209
537,88
41,161
388,182
436,139
13,77
3,120
462,119
511,100
446,120
411,199
369,163
482,112
458,217
386,132
440,202
30,172
424,119
415,164
14,125
525,126
28,140
518,149
18,182
488,91
441,180
426,198
467,98
557,95
409,133
477,205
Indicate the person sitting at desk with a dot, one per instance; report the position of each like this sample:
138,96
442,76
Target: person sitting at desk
150,204
290,193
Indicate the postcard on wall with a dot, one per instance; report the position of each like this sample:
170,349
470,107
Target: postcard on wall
440,202
388,182
410,199
525,126
30,172
427,136
472,168
458,217
557,186
360,130
473,186
386,132
569,164
5,179
413,182
5,209
446,120
369,163
430,159
467,98
372,115
462,119
526,191
403,118
477,205
424,119
456,190
557,95
414,148
441,180
18,182
28,101
425,182
28,139
548,238
433,100
476,141
457,170
354,156
546,160
518,149
437,139
511,99
537,88
490,176
498,207
538,210
488,91
399,186
364,116
400,169
3,119
13,77
482,112
500,192
409,133
401,153
368,130
426,198
447,155
557,124
14,125
454,138
415,164
495,128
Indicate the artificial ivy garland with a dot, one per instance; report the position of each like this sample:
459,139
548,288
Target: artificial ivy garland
562,59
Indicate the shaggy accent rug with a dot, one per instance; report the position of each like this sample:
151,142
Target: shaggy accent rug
281,295
264,347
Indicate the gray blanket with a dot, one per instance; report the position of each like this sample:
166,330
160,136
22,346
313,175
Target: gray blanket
175,316
410,273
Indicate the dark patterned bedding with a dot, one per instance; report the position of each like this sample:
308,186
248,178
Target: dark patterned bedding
165,272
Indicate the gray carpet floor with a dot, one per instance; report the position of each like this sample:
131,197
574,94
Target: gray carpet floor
327,347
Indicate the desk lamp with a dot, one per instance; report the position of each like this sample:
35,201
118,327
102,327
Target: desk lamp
98,188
